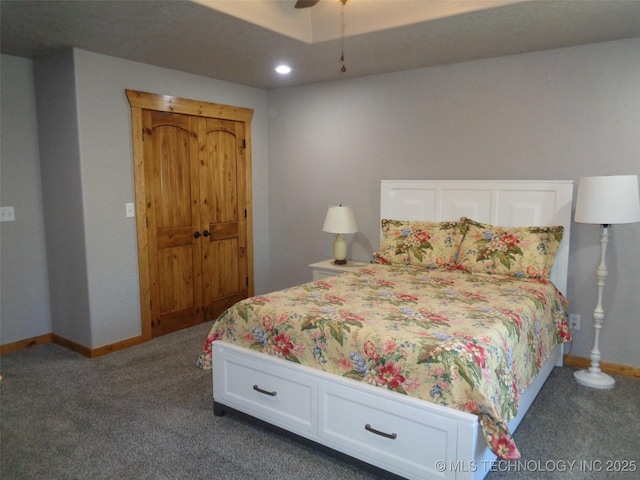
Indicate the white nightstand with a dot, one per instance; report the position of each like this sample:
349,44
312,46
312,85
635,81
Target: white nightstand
327,268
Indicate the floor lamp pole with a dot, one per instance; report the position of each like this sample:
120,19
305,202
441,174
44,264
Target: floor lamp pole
593,377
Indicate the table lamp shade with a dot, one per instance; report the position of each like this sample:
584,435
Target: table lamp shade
340,219
608,200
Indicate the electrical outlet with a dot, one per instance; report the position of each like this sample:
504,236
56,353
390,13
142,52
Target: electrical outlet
7,214
574,321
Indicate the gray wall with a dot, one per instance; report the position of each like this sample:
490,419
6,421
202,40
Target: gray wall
558,114
63,195
24,290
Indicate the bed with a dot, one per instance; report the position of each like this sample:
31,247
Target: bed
423,363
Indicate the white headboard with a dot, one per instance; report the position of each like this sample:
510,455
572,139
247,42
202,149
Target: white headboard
509,203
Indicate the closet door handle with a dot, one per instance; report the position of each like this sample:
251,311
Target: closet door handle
206,233
196,235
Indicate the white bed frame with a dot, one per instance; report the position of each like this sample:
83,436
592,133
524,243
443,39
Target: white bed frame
405,436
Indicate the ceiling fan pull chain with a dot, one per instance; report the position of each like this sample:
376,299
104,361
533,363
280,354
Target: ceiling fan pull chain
343,69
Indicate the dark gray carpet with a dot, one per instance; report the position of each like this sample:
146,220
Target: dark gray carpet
146,413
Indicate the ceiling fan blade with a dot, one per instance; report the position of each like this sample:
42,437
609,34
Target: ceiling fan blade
305,3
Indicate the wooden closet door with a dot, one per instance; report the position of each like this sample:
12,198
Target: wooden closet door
223,212
171,169
192,166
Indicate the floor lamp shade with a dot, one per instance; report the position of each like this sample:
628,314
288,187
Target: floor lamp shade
608,200
604,201
340,220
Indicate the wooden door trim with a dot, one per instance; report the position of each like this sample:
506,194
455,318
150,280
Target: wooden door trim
140,101
167,103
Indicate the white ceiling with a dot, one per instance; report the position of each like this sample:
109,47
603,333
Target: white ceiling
241,41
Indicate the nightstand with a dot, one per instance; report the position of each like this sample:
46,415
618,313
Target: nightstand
327,268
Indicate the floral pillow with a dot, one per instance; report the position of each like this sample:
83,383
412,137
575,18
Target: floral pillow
427,244
521,252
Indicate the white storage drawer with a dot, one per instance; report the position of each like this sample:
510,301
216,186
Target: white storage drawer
386,433
406,436
276,394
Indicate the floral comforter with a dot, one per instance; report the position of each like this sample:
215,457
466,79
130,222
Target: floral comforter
473,342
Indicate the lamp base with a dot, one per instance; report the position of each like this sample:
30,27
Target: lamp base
594,380
339,250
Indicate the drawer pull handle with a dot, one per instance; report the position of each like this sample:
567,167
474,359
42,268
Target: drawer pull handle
369,428
265,392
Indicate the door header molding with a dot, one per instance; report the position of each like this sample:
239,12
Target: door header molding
168,103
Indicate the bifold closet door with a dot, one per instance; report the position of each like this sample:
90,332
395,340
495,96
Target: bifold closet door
173,222
224,215
197,223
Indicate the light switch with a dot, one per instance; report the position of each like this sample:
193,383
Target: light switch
130,210
7,214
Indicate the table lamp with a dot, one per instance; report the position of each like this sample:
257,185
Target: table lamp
341,221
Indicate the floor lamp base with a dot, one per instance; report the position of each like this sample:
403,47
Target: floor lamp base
594,380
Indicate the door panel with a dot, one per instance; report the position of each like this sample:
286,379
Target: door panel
224,264
223,231
171,159
219,175
175,266
225,280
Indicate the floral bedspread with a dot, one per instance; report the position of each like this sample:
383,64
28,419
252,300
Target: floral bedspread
473,342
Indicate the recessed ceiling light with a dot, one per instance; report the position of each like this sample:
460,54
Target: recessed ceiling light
283,69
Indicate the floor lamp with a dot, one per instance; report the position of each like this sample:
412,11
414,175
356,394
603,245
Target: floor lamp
604,201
